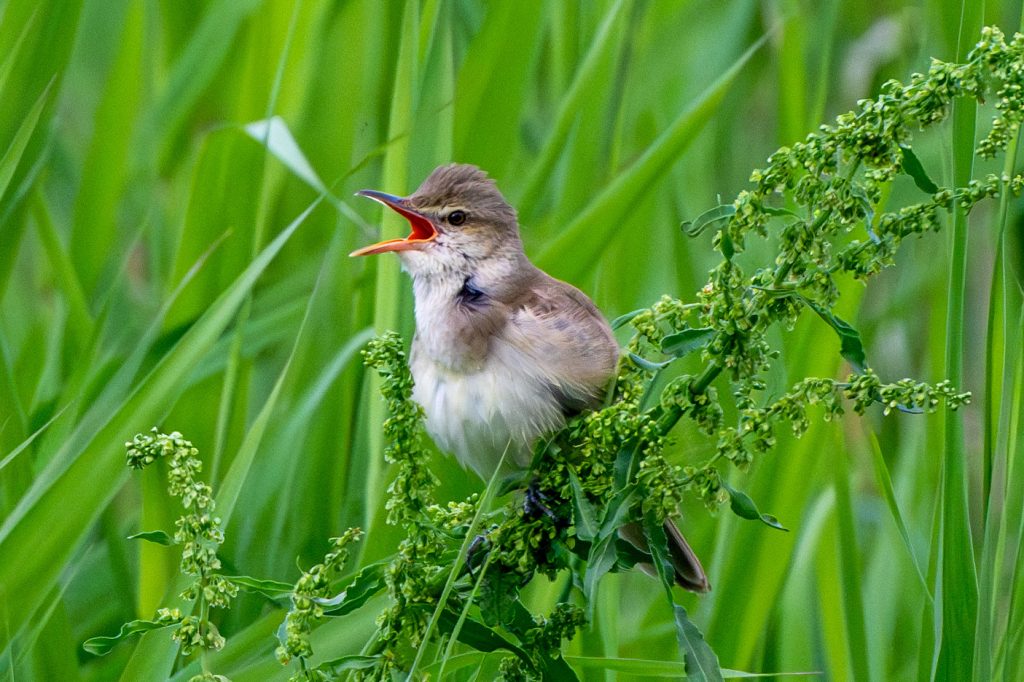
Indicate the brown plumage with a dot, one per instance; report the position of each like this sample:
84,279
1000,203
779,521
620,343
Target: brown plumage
503,352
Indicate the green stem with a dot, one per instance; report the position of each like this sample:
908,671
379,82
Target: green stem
204,626
667,418
702,382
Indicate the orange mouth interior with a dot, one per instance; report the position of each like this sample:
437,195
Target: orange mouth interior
423,230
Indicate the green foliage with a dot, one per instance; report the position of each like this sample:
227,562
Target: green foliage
199,533
609,463
311,593
153,160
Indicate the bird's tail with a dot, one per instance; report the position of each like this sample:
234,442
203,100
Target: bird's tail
690,574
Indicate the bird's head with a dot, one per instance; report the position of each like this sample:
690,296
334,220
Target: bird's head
458,219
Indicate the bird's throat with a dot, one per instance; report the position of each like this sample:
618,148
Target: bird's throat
454,324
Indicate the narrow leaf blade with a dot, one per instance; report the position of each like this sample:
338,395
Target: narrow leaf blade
99,646
912,166
158,537
684,342
695,227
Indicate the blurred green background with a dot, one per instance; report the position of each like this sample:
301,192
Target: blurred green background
138,186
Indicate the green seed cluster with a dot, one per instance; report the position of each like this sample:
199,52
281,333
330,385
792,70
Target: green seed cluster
198,531
550,632
905,394
836,177
754,433
310,590
207,676
412,490
662,483
413,576
512,669
835,181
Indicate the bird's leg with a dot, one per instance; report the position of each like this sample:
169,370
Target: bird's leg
474,551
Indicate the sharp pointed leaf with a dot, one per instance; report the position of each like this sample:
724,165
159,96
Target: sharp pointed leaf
99,646
158,537
912,166
744,507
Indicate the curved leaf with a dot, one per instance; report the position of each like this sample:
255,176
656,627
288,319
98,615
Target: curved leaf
744,507
158,537
912,166
270,588
850,345
368,582
686,341
100,646
695,227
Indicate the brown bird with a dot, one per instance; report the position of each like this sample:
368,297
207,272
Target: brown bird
503,352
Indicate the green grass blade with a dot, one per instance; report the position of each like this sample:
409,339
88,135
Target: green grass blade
492,87
208,46
959,589
12,155
93,477
1000,406
12,54
387,289
884,482
94,229
850,571
586,85
10,456
1009,659
656,668
588,235
120,384
80,321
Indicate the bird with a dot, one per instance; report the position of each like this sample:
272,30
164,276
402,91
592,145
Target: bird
503,353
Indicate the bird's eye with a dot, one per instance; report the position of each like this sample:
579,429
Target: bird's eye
456,217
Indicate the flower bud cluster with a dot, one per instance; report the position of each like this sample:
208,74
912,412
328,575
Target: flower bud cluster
562,624
706,483
306,611
455,516
905,395
513,669
412,577
662,485
192,633
833,183
198,531
835,178
207,676
411,491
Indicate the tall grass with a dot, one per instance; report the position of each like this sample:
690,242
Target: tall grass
163,263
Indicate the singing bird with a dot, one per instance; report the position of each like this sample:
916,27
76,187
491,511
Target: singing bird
503,352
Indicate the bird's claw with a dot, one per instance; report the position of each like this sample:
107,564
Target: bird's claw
537,503
473,553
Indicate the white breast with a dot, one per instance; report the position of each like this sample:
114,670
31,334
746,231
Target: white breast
479,415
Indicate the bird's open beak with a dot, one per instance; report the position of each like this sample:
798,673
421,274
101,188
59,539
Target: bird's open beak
423,230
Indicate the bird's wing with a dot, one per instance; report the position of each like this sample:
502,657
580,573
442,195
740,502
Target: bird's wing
563,334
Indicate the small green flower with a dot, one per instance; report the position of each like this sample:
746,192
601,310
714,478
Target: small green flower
198,531
314,584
